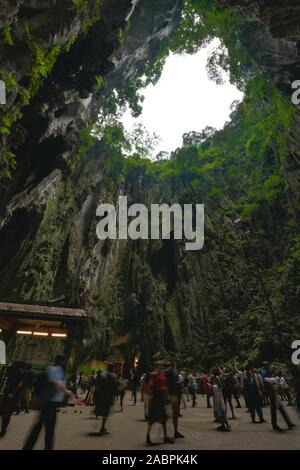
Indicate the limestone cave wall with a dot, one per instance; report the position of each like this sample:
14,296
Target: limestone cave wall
159,295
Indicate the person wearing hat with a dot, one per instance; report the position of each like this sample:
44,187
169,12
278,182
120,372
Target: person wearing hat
53,395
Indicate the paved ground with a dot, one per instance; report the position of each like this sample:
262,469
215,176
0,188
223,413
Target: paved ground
77,429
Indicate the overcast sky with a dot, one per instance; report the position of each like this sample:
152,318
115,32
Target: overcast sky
184,100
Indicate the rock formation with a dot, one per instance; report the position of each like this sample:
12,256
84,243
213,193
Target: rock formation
60,60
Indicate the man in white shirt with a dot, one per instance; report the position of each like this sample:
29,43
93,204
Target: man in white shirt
54,393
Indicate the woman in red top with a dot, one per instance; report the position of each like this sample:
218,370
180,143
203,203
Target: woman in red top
158,400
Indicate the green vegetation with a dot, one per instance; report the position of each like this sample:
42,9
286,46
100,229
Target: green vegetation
81,6
100,82
42,66
7,35
88,12
10,81
256,126
237,172
40,271
7,164
7,120
70,42
203,21
87,141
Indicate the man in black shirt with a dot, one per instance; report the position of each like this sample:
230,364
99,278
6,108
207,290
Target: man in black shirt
174,391
105,390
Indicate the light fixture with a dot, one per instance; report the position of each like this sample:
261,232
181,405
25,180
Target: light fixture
59,335
24,332
40,333
0,330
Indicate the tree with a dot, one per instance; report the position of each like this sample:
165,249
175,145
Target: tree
142,142
162,155
197,138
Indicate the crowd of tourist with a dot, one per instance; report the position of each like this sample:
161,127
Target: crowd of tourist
165,391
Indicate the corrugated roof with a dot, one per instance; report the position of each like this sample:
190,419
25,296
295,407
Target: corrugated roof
41,310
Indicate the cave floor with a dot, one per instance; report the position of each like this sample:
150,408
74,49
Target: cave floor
77,428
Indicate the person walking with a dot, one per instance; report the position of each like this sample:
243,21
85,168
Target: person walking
145,392
285,389
84,385
192,388
105,390
272,387
75,385
206,388
182,400
120,391
228,386
135,382
265,389
158,401
218,402
174,392
186,387
241,375
90,397
52,396
11,398
27,386
253,396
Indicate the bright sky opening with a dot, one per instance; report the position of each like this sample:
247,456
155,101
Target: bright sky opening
184,100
